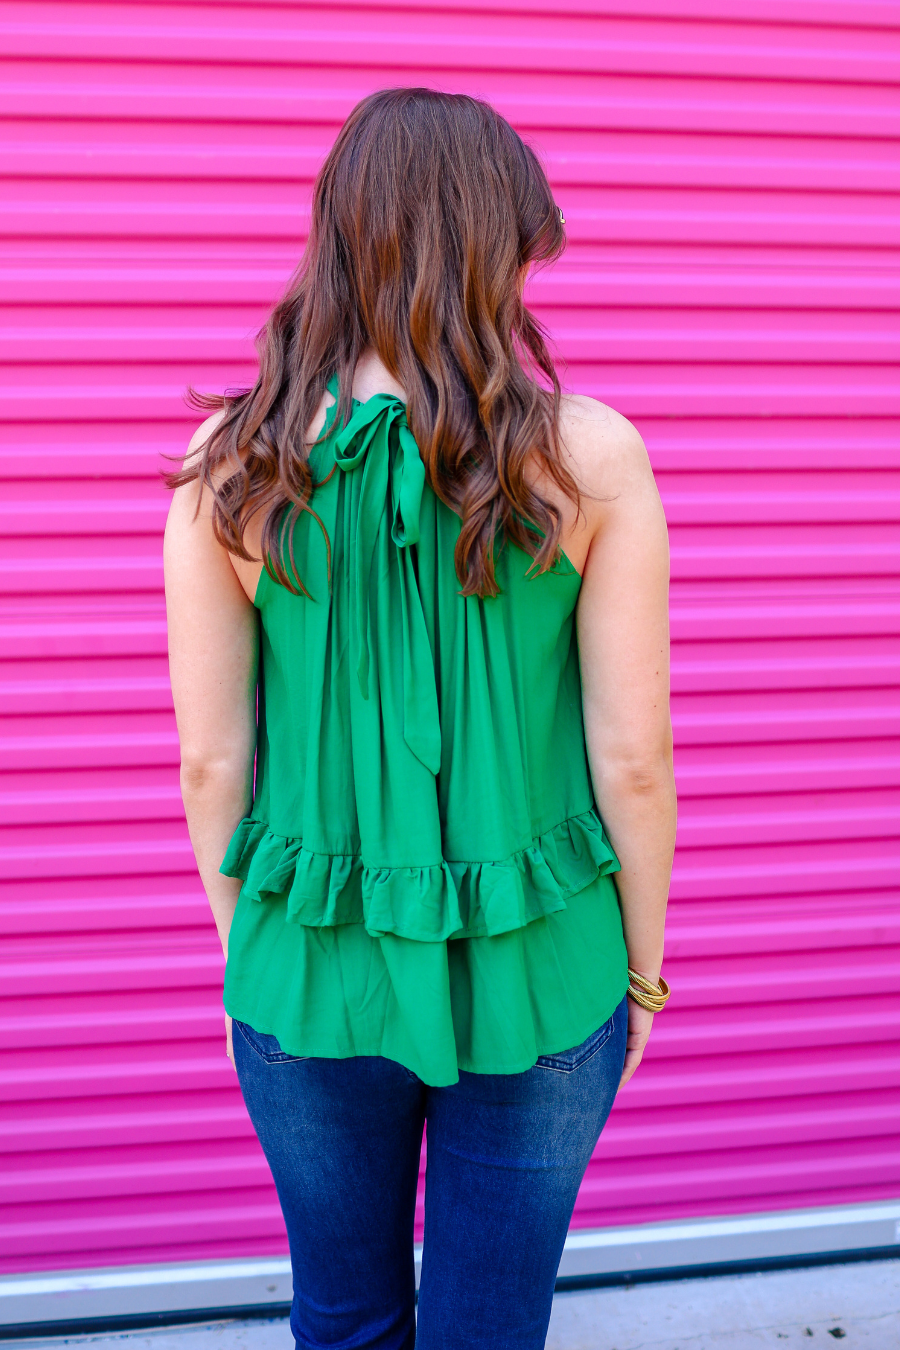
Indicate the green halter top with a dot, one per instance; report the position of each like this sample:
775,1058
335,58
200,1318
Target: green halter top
425,875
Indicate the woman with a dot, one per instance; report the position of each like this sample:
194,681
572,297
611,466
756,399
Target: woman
448,584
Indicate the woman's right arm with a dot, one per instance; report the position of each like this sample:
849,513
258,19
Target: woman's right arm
212,663
623,638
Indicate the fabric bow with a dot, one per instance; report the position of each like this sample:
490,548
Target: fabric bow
377,438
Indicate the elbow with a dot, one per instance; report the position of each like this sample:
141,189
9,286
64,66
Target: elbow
641,773
640,779
205,774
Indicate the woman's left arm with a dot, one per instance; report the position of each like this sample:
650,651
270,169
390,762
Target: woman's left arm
213,649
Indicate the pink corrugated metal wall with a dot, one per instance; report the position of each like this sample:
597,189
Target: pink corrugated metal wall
729,174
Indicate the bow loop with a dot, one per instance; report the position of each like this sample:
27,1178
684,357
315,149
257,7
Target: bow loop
408,483
353,442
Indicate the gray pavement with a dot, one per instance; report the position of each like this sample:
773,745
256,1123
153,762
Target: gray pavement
853,1305
856,1305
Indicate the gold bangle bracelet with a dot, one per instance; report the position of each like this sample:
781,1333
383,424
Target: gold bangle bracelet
645,993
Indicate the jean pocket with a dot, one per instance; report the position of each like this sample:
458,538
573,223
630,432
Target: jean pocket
266,1047
569,1060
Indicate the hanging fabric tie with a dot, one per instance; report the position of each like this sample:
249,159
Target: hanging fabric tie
378,443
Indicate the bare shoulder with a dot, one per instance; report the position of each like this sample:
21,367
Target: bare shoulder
606,452
191,541
201,436
192,554
203,432
185,497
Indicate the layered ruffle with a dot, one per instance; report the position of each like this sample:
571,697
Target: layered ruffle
484,1006
425,904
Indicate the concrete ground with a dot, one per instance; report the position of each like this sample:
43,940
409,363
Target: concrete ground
857,1303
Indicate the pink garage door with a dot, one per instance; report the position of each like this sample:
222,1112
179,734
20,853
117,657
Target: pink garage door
728,170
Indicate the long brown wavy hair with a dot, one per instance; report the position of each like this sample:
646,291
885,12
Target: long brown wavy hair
424,215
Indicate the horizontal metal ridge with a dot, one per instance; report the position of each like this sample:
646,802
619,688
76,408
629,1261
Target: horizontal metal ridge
114,1180
653,389
151,964
877,14
836,283
196,153
86,920
821,1024
620,334
184,1121
231,212
488,42
703,445
533,100
751,1077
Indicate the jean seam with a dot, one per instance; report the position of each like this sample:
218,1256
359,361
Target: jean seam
571,1068
281,1058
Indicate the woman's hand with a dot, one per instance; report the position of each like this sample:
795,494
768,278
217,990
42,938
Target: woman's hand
229,1043
640,1024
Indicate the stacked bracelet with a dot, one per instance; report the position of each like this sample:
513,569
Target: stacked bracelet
644,992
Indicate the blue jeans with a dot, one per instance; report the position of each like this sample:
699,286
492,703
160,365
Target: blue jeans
506,1155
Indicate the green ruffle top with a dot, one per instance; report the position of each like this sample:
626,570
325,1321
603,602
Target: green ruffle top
425,875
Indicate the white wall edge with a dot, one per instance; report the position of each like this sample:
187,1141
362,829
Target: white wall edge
63,1296
749,1237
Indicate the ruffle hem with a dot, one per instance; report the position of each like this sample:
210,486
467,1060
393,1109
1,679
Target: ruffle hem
425,904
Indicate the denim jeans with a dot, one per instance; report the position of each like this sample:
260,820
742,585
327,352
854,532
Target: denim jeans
506,1155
